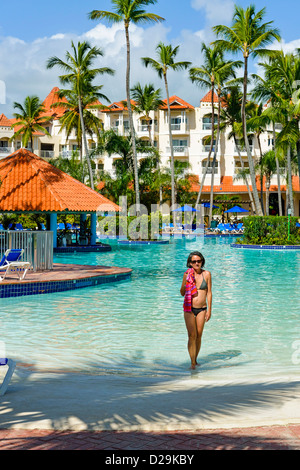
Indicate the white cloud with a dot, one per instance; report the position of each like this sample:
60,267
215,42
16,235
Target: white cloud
23,65
216,11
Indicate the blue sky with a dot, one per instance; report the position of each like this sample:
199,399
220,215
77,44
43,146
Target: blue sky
29,34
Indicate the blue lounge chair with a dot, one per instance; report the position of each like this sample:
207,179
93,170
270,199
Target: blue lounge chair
10,370
11,262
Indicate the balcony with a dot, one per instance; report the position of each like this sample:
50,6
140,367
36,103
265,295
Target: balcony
181,151
179,128
243,149
209,171
47,154
121,130
6,151
144,128
206,148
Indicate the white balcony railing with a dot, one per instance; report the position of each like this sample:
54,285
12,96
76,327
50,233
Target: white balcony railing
179,150
209,171
6,150
243,149
144,128
47,153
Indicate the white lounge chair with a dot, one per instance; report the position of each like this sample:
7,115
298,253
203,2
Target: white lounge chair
10,370
11,263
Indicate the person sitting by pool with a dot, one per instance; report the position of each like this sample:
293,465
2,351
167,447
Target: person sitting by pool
197,292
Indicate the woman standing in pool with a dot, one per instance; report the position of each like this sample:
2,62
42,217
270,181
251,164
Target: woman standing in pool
197,291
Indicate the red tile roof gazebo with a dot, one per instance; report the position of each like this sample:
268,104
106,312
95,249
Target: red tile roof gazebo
30,184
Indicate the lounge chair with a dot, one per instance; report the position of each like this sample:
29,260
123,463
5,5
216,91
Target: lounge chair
11,263
10,370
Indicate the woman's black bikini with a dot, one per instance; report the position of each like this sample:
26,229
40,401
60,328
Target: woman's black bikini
203,286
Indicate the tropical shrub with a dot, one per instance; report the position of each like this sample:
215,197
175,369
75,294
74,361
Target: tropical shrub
270,231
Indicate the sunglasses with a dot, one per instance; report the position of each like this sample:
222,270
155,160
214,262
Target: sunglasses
198,261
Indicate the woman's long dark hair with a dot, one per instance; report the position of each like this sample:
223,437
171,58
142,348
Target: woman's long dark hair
195,253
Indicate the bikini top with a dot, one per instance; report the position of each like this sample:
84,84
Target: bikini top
204,285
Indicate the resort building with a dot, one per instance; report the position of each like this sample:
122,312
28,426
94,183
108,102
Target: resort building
191,127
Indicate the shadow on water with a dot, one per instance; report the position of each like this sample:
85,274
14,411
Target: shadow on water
136,365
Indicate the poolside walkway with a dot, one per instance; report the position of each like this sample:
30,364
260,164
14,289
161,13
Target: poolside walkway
54,411
63,277
255,438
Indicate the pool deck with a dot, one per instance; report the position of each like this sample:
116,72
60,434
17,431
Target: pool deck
51,411
63,277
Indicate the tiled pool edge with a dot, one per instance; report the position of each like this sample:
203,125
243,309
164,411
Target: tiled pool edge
82,249
51,287
267,247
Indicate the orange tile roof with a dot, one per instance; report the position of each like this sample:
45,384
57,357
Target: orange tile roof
4,121
207,98
176,103
227,186
117,106
31,184
50,100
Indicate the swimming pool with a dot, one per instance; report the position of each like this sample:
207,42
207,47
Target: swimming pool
137,328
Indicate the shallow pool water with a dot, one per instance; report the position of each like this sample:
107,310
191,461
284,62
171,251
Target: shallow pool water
136,327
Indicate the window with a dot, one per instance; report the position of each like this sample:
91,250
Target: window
180,143
207,122
209,169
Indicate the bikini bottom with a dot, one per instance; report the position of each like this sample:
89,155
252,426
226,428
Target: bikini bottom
196,311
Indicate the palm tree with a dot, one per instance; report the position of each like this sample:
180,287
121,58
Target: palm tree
129,11
284,70
30,119
147,99
70,120
231,119
214,73
166,55
267,90
267,168
248,35
80,75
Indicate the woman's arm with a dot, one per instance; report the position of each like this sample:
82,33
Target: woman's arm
182,289
209,297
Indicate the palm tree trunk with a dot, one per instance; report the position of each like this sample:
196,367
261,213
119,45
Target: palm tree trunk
267,196
211,145
132,131
290,182
250,159
278,172
86,150
261,176
245,177
173,197
214,161
158,165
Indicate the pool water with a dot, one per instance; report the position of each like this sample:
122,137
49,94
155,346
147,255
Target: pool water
137,328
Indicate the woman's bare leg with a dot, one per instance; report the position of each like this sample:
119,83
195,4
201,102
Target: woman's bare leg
191,327
200,322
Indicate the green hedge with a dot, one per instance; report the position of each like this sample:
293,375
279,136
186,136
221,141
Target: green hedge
270,231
